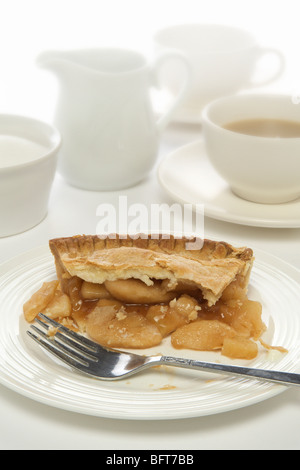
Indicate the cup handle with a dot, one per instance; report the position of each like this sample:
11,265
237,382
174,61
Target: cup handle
279,71
160,62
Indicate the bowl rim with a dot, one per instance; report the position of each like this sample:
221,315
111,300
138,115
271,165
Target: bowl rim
55,140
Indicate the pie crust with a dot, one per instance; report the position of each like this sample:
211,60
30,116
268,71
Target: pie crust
99,259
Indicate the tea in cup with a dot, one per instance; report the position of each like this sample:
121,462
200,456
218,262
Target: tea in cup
253,142
223,61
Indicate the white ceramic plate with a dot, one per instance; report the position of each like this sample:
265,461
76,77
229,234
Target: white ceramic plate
159,393
188,176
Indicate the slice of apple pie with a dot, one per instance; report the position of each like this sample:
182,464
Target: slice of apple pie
131,292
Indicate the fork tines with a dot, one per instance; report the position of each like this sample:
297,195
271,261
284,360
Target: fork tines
70,347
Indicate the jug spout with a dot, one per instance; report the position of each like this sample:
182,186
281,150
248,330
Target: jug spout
51,60
57,62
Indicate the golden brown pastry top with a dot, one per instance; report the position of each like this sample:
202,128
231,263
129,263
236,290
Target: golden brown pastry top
97,259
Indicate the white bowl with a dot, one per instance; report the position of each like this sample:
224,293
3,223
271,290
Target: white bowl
259,169
28,159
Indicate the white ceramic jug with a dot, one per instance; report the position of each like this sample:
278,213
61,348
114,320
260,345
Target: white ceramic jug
110,134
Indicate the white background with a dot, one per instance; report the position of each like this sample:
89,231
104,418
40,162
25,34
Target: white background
28,27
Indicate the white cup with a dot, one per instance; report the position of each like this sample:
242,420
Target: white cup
223,61
259,169
28,159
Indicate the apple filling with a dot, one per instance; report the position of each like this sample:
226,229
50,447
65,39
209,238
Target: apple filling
128,314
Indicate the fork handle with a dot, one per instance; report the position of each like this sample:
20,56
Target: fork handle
285,378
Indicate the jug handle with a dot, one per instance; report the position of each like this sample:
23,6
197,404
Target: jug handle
160,62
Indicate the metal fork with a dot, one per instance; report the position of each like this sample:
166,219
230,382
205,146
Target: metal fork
92,359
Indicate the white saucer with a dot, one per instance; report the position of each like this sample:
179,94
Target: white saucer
183,115
188,177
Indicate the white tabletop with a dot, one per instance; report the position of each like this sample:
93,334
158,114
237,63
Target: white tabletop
26,424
